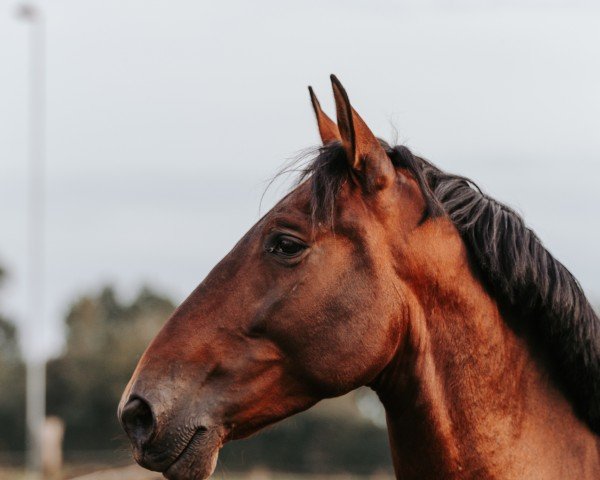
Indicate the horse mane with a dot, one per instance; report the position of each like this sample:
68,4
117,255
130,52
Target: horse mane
511,260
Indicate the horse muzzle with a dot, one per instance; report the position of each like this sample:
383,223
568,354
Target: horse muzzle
182,449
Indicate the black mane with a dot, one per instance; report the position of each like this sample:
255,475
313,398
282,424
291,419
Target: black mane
513,263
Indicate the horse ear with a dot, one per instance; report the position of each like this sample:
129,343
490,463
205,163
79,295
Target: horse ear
366,155
327,128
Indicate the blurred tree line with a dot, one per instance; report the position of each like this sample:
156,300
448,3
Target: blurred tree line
12,386
105,338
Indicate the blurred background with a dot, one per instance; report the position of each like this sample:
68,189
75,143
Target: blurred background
138,136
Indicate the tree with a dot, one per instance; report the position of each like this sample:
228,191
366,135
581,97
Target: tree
12,386
105,339
8,333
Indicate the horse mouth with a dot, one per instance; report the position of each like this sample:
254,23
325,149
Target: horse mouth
197,461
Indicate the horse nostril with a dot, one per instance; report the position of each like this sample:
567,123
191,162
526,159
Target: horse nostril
138,421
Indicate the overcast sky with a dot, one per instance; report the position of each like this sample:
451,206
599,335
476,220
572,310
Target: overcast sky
165,119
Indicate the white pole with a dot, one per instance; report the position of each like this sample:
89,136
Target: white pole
35,360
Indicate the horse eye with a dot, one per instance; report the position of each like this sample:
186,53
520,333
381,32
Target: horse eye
286,247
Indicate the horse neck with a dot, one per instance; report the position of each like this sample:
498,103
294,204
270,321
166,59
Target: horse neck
466,398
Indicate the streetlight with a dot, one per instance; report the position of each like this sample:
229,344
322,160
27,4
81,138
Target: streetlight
35,363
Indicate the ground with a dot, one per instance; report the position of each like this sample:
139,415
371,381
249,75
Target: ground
137,473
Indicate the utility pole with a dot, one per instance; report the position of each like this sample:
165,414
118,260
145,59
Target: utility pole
35,360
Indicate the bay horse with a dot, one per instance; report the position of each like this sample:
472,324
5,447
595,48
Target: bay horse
380,269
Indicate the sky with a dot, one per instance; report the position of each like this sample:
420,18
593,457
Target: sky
165,120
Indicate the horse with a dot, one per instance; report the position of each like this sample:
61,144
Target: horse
379,269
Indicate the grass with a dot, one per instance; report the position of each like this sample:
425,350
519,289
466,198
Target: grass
137,473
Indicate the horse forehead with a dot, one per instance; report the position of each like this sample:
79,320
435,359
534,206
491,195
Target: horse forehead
298,201
349,214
